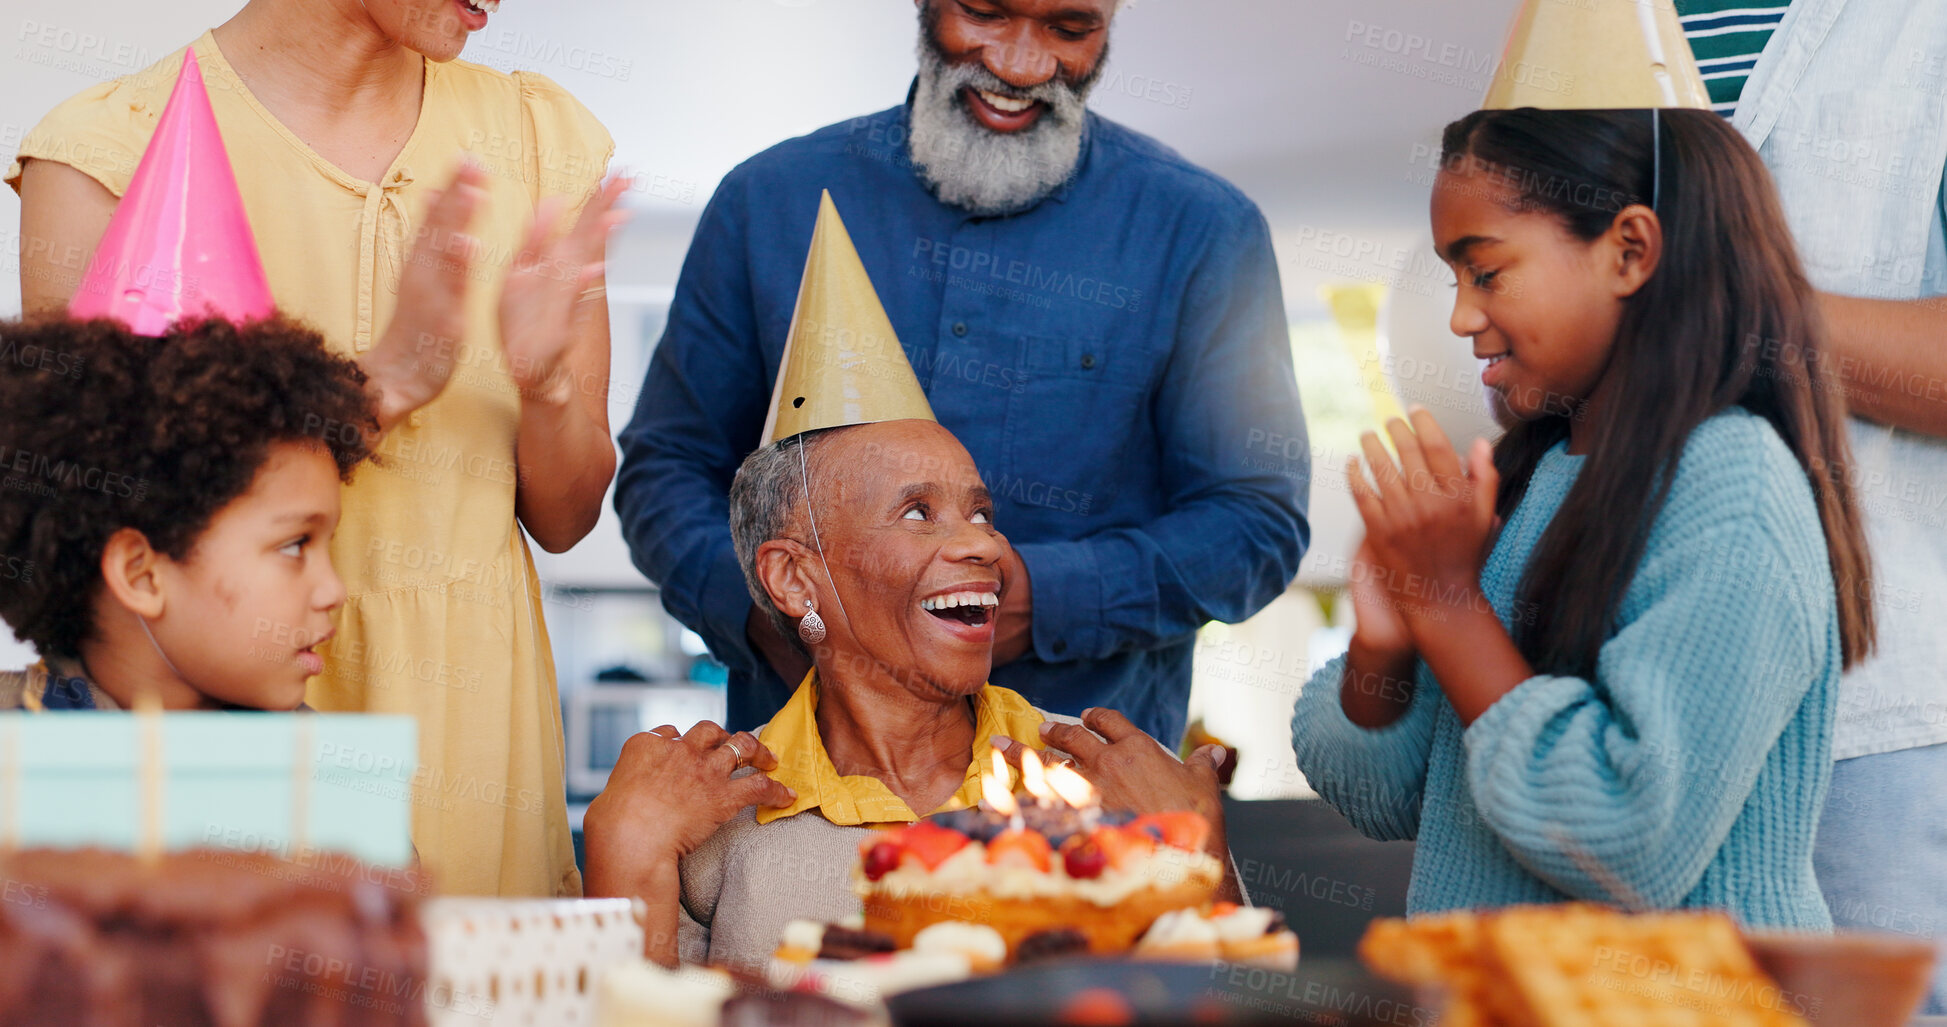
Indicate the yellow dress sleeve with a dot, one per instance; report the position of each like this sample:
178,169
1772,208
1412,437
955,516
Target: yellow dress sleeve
567,149
100,131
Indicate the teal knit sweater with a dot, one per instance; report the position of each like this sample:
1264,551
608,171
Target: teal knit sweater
1689,772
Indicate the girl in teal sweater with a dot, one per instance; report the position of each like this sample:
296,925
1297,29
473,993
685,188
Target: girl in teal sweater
1597,660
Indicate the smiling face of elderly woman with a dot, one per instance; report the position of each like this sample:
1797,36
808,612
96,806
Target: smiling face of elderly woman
908,534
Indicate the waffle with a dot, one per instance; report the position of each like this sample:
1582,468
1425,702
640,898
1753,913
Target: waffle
1582,965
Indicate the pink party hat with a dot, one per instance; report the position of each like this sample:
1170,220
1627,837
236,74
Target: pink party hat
179,244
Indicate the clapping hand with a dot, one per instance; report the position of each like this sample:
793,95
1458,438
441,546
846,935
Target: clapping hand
410,364
1429,525
544,292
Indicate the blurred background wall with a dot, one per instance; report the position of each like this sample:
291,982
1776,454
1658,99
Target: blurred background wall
1326,112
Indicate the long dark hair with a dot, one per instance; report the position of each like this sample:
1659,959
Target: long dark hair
1728,319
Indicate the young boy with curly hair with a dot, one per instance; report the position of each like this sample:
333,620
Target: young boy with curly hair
166,510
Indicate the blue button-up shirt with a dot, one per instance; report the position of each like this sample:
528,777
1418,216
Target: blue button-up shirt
1115,358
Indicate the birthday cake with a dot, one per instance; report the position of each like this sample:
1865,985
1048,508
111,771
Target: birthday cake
1050,860
1109,882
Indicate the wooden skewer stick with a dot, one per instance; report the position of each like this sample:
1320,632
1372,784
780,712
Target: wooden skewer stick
148,717
301,765
10,790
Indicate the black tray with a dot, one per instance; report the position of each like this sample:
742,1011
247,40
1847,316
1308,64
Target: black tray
1069,993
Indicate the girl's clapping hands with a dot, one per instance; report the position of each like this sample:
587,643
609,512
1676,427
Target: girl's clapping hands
1429,518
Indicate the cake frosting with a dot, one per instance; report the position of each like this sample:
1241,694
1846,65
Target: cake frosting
1180,929
983,946
968,872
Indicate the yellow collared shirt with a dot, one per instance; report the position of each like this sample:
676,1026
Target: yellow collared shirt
860,801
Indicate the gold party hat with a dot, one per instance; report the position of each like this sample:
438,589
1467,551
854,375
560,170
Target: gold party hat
1597,55
842,363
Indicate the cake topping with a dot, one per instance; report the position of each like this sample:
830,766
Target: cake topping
978,942
931,844
1122,846
689,994
1021,848
1182,830
976,823
1058,823
1061,941
804,936
882,858
1178,927
845,943
1083,858
926,841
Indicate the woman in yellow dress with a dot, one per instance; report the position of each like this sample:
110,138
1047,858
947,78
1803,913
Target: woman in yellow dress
408,206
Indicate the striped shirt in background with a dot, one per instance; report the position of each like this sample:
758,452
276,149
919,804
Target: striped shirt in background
1727,36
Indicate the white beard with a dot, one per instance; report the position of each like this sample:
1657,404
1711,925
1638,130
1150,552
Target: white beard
988,173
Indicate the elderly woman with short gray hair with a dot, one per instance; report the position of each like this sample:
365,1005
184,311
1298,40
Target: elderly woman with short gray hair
889,573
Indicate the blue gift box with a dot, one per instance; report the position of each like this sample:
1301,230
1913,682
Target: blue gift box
277,782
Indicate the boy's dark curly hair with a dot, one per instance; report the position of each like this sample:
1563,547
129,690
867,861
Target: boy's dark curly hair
102,429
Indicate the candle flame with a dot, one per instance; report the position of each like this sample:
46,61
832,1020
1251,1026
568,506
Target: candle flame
995,789
1073,788
1035,780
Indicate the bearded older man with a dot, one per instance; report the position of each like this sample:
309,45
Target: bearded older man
1097,319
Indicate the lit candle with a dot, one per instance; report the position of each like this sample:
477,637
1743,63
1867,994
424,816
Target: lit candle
1035,780
1075,790
997,793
